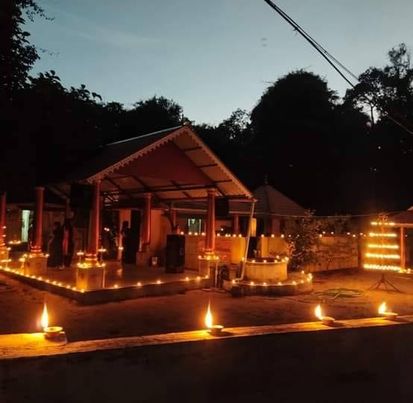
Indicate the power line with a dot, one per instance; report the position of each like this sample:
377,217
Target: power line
333,62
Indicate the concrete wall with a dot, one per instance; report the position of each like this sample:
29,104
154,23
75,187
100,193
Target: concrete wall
343,365
229,249
336,252
160,228
333,252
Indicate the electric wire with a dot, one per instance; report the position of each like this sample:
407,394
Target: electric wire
332,61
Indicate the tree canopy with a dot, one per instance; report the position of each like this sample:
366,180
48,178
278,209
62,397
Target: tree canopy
320,150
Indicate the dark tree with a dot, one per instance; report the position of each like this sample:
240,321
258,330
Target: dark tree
390,148
17,55
153,114
293,126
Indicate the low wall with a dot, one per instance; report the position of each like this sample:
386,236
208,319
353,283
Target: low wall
368,362
230,249
335,252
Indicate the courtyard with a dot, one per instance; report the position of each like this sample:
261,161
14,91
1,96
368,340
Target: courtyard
343,295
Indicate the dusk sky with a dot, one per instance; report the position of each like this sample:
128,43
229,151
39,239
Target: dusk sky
212,56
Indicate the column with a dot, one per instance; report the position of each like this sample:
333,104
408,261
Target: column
36,264
275,225
210,224
93,244
402,249
2,219
38,226
173,221
90,275
146,223
235,224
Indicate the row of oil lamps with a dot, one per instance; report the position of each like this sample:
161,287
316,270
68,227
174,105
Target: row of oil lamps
55,332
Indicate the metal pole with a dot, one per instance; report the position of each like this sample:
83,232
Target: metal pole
247,242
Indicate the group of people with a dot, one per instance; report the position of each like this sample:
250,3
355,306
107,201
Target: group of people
61,245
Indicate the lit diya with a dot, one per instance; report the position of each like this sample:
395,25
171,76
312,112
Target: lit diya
50,332
326,320
385,313
214,330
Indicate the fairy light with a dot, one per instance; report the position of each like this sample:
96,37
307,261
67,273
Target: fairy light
378,246
383,256
382,249
382,235
381,267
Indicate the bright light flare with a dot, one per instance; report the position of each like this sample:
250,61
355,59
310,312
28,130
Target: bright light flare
44,320
382,308
318,312
208,317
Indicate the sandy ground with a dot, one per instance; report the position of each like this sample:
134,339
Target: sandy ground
21,306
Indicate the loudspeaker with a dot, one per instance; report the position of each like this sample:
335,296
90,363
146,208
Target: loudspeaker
81,196
131,238
221,207
175,253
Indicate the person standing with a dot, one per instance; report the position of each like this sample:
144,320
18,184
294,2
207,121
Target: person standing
56,247
68,243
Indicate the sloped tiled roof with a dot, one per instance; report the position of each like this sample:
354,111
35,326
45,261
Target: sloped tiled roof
172,164
114,152
271,201
405,217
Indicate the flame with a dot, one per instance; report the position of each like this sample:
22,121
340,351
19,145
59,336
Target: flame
44,321
208,317
382,308
318,312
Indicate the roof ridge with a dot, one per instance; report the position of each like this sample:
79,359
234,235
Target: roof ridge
144,135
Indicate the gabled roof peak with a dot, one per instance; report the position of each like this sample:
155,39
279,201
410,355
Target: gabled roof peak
169,129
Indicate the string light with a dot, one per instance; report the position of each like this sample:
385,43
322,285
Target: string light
383,247
383,256
378,246
382,234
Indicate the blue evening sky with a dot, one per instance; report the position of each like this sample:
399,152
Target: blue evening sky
210,56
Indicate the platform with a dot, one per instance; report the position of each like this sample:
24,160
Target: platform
121,282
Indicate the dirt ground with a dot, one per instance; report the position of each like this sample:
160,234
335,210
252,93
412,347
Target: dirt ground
343,294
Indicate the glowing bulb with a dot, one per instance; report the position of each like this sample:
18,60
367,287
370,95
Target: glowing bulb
382,308
44,320
208,317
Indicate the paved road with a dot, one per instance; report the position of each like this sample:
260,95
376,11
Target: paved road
21,305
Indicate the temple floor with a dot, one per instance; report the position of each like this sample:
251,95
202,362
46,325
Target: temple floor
343,295
120,275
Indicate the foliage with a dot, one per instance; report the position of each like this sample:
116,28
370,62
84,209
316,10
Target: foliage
304,236
390,88
318,150
17,55
150,115
390,147
303,240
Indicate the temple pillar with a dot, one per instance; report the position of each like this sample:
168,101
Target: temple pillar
208,262
144,254
4,250
93,244
38,226
210,223
402,249
90,274
146,223
174,226
235,224
274,225
36,263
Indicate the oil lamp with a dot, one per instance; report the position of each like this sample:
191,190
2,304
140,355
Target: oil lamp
385,313
214,330
326,320
50,332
